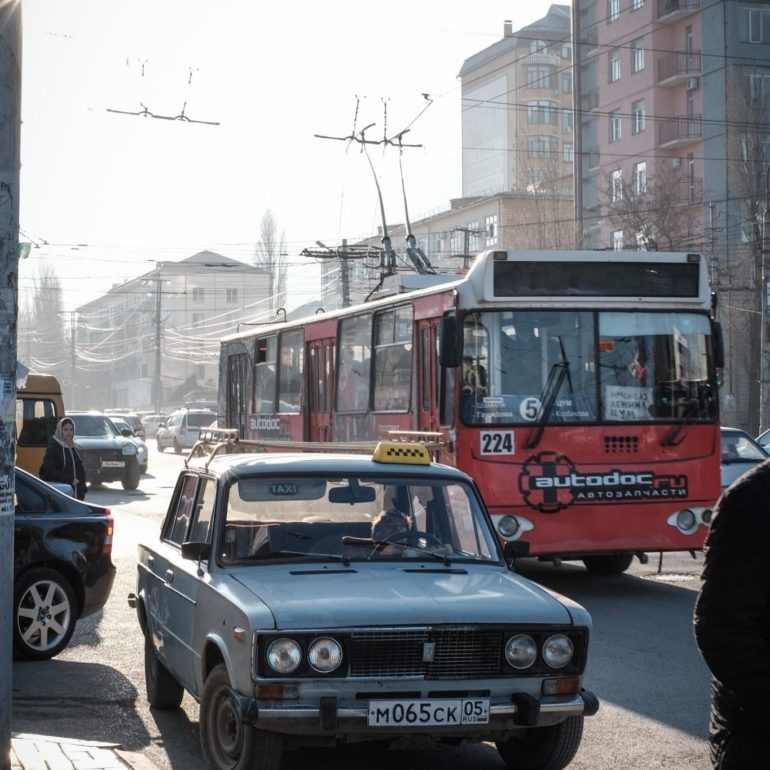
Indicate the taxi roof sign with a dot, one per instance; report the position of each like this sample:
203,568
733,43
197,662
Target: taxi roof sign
401,452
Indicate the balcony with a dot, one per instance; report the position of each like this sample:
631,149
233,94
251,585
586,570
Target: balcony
541,58
671,10
677,132
677,68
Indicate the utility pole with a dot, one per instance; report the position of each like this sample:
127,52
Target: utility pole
345,274
10,131
157,383
466,255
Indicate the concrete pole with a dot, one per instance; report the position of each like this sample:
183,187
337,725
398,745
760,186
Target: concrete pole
10,130
345,274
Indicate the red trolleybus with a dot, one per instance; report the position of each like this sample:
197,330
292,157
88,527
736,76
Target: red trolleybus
577,388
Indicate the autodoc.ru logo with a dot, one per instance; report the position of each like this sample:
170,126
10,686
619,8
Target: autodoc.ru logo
550,481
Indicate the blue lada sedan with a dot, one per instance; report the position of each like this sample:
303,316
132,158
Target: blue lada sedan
330,598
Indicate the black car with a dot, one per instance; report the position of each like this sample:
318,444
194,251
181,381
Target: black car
62,566
108,454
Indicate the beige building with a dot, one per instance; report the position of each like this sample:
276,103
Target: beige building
153,341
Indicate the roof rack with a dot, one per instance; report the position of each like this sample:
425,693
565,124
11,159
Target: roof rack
214,441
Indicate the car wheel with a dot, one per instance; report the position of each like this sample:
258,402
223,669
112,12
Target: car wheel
177,448
44,614
160,446
143,468
543,748
131,479
163,691
226,740
608,564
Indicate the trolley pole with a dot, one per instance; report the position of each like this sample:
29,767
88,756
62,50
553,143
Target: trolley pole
10,133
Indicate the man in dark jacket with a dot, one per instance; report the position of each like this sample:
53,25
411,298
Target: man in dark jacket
62,461
732,623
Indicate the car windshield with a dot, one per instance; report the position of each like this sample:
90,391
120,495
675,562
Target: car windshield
738,447
93,425
355,518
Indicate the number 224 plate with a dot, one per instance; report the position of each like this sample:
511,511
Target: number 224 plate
429,713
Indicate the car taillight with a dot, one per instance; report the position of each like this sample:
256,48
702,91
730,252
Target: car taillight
107,545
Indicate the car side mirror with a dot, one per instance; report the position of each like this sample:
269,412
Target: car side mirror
126,433
451,344
515,549
196,551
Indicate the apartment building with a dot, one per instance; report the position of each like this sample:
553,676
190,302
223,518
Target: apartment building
153,338
672,152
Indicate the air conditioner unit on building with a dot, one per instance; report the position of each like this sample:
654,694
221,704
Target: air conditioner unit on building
692,84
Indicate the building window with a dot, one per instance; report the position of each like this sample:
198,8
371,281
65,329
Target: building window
637,5
541,112
541,77
613,10
454,242
615,126
614,66
473,236
538,46
566,84
490,230
566,52
617,240
568,153
616,185
691,191
637,117
637,55
566,121
197,294
232,296
754,25
542,146
640,178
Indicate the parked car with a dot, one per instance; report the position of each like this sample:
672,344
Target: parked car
62,568
182,427
763,439
134,421
274,597
142,452
740,453
151,424
108,455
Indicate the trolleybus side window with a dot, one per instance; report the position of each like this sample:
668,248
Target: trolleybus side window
355,360
393,359
264,375
290,371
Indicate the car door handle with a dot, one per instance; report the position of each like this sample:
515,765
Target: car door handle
169,576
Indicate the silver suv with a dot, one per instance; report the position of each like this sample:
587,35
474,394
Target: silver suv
181,428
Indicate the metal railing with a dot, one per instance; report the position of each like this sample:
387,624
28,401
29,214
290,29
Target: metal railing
679,65
680,130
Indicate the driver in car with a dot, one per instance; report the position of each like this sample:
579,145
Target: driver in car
389,532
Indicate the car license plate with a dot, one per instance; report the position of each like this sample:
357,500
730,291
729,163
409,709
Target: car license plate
428,713
113,464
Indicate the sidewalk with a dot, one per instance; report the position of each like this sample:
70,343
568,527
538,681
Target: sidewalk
43,752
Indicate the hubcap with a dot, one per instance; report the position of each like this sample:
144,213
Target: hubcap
44,615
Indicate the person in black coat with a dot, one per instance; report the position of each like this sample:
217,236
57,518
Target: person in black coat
62,461
732,623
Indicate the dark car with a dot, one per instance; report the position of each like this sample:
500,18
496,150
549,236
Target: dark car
740,453
62,567
107,453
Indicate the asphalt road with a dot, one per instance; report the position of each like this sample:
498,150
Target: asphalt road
643,665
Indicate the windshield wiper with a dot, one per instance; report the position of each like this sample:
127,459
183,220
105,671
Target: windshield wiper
559,372
283,552
677,434
440,556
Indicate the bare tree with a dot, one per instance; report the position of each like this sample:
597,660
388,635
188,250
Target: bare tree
270,255
41,324
657,212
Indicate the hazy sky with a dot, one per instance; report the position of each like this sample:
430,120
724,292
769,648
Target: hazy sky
134,190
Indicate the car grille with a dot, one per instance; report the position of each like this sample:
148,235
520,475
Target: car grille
459,653
93,460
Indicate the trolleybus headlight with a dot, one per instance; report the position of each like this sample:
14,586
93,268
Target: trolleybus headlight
324,654
686,520
558,650
284,656
507,526
521,651
706,516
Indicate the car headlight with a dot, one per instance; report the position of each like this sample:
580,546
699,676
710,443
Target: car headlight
521,651
324,654
128,449
284,656
558,650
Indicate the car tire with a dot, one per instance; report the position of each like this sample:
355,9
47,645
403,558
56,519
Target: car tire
177,448
543,748
143,468
132,477
226,740
42,593
160,446
163,691
608,564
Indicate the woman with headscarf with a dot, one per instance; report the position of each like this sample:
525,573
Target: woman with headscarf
62,462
